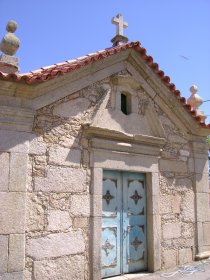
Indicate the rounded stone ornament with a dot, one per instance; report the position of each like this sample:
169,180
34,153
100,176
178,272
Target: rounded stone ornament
11,26
194,100
10,43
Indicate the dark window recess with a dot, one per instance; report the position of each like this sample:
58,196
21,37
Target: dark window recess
124,103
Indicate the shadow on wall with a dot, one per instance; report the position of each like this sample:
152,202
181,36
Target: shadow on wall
15,141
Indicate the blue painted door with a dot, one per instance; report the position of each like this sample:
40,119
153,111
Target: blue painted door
124,246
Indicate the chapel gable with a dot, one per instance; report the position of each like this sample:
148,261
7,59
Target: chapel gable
104,167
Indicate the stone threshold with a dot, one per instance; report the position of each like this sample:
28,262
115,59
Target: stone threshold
132,276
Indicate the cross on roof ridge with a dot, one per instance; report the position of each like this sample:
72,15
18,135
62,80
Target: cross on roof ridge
119,38
120,24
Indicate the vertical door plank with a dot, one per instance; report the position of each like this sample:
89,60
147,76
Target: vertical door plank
134,223
111,225
124,231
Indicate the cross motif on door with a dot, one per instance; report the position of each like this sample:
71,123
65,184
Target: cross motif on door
136,243
107,247
108,197
136,197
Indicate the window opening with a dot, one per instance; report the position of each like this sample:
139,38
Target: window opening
126,103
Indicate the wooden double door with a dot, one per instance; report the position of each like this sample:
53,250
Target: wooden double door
124,232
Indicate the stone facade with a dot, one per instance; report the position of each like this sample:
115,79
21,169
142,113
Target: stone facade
50,210
57,229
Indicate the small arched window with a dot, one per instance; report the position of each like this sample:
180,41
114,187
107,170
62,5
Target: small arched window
126,103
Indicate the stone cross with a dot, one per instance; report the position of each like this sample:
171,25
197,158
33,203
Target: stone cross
120,24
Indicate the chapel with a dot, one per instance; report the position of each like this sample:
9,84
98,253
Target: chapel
104,166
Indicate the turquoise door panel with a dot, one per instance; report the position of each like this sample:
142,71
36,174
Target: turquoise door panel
124,246
111,216
134,223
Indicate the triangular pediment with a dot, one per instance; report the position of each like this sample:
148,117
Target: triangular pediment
93,69
142,119
147,124
128,70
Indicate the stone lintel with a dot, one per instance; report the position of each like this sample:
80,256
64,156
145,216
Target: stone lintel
108,159
131,139
112,145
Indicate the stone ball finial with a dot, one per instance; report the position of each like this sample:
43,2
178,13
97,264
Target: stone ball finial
194,100
11,26
10,43
193,89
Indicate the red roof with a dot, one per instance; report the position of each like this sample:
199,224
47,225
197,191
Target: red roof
50,72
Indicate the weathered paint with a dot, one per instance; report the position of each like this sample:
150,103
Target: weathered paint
124,247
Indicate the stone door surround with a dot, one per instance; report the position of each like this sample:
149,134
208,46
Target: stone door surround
105,156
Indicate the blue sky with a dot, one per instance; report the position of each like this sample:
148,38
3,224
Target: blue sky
175,33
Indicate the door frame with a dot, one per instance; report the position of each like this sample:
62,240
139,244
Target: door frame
111,160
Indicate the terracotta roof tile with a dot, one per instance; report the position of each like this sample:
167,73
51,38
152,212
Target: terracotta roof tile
49,72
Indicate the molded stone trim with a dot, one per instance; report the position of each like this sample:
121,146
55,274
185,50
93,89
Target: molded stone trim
143,164
112,145
104,133
162,96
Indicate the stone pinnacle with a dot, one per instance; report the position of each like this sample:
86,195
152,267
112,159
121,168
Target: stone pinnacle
10,43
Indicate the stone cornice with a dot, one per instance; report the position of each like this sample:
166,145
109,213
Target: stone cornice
37,96
34,91
162,96
73,86
102,138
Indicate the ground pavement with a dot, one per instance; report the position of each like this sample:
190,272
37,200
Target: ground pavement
201,272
